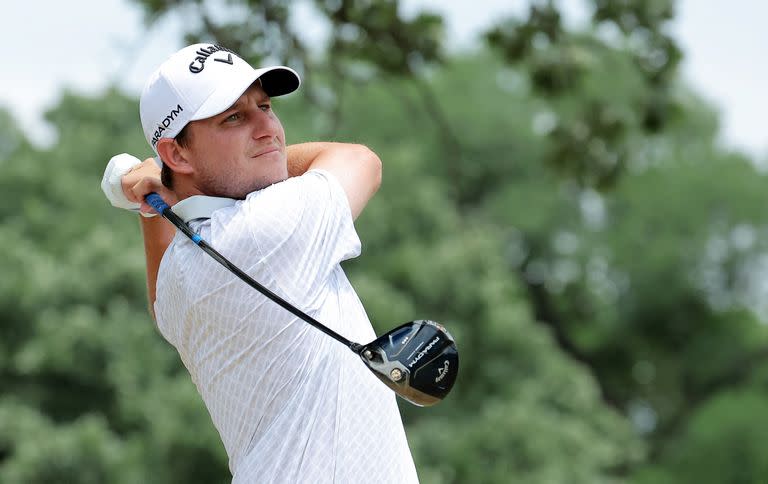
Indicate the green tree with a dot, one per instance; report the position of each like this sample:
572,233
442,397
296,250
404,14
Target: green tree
89,392
87,349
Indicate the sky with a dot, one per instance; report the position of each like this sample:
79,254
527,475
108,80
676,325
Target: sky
84,45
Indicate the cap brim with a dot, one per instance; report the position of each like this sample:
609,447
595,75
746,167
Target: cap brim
279,80
275,80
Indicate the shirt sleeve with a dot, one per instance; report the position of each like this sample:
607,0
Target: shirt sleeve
302,229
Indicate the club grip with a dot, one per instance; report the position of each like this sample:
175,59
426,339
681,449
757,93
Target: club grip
156,202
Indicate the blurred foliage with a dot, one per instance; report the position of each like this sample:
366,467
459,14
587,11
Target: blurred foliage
603,274
603,87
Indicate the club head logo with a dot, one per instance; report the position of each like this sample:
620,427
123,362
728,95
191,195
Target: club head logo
441,372
424,352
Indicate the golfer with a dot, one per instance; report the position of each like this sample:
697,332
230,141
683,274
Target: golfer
291,405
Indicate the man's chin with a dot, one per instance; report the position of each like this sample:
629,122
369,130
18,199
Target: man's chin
267,181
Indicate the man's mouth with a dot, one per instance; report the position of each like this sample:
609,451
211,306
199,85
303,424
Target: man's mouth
266,151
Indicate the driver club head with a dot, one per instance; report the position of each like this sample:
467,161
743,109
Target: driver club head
418,360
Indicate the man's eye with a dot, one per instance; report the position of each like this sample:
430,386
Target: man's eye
233,117
265,107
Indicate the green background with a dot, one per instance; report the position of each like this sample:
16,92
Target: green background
555,197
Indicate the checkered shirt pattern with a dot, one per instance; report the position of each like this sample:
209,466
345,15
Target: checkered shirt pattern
291,404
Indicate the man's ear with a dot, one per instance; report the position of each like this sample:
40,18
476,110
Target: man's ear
171,154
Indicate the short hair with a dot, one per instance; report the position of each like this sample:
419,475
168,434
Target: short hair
166,174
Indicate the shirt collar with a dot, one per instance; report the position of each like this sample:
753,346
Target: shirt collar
201,206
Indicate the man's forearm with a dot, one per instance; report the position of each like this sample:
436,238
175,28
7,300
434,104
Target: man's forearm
301,156
158,234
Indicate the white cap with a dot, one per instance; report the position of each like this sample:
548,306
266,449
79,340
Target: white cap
200,81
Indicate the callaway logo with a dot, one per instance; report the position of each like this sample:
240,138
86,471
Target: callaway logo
424,351
441,372
165,123
198,64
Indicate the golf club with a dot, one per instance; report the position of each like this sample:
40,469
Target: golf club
417,360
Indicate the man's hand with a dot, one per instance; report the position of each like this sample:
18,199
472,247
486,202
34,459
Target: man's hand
127,181
142,180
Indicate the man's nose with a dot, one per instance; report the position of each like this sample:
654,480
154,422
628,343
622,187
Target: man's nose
262,124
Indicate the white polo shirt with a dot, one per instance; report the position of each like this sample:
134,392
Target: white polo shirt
291,404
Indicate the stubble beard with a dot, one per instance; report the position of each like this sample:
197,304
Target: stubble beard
234,185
